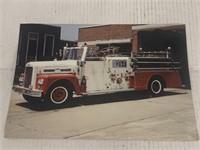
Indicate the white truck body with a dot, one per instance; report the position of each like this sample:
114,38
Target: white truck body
57,81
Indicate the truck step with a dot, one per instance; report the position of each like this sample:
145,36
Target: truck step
107,92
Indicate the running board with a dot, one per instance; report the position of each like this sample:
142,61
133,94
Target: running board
106,92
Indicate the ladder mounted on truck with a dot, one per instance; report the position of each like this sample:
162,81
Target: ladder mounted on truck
154,60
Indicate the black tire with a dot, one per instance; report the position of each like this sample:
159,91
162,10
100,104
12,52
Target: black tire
156,86
58,94
32,99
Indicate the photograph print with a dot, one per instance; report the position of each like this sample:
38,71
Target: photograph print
109,81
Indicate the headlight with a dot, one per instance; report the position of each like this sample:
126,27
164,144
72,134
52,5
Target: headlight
40,81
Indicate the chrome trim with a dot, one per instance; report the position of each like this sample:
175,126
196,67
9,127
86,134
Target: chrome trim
27,91
28,76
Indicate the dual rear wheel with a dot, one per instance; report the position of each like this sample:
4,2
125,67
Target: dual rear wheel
156,86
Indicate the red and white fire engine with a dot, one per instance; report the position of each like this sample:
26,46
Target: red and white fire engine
82,72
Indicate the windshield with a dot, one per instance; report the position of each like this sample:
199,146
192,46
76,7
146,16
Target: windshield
72,54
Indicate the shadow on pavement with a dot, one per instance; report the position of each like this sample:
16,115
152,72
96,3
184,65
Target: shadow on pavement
95,99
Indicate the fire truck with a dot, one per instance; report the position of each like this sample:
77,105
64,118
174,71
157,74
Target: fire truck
82,72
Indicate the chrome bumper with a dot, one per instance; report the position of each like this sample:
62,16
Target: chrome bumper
27,91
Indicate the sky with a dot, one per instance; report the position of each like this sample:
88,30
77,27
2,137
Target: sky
70,31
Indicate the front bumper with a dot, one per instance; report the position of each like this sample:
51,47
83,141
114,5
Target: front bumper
27,91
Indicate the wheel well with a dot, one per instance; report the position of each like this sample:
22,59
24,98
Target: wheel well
158,77
63,81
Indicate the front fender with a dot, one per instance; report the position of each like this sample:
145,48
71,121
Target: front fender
52,78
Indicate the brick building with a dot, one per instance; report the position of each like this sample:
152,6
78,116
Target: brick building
133,37
106,36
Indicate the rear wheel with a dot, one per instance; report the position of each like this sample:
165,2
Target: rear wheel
58,94
32,99
156,87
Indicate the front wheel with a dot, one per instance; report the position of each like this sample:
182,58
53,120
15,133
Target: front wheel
58,95
155,87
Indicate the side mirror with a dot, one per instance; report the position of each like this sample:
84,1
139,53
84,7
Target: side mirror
80,63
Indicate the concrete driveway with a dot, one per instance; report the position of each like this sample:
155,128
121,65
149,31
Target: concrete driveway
128,115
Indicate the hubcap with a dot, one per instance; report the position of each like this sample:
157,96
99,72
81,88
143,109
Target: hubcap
156,86
59,95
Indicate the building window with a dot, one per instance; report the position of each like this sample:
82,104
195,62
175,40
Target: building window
32,47
48,45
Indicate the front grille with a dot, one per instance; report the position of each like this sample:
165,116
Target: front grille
28,76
